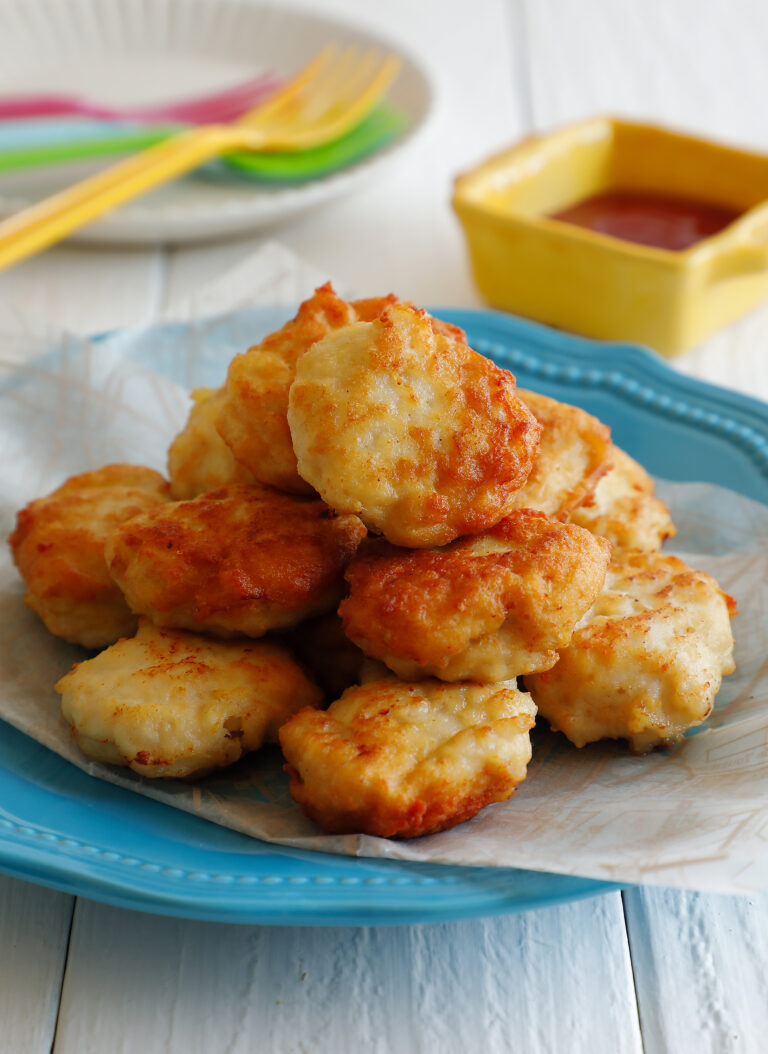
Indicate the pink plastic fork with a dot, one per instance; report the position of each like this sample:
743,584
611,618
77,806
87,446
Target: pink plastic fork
224,105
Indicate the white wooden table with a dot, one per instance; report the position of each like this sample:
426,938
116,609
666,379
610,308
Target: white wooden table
648,970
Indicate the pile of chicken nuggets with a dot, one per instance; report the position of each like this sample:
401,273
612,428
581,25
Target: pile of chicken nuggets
377,551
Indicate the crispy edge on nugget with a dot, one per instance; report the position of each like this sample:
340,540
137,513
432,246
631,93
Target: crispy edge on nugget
484,608
252,414
575,452
625,510
198,458
242,559
412,430
395,759
58,547
177,705
646,661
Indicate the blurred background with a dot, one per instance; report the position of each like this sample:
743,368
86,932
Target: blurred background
498,69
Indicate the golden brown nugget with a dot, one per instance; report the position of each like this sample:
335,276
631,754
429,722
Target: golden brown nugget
646,662
625,509
412,430
252,417
176,705
575,452
485,608
240,560
198,459
400,760
58,546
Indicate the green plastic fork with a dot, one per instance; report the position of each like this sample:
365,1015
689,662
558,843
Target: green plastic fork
377,129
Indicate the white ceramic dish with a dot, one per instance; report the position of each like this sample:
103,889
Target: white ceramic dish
127,52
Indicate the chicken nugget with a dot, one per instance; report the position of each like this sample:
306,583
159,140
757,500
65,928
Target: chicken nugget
58,546
485,608
198,459
575,451
625,510
422,437
239,560
172,704
401,760
647,660
252,415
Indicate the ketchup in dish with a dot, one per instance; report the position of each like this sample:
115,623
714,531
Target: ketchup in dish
649,219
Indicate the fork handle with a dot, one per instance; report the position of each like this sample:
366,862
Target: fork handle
53,218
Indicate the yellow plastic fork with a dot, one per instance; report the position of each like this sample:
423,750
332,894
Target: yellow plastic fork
327,98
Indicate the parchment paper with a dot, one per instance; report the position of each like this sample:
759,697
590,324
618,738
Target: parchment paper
694,816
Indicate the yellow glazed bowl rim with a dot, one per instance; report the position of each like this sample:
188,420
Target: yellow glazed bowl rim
734,250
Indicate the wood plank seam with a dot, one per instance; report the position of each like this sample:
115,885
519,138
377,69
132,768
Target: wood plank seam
65,963
634,974
158,296
517,18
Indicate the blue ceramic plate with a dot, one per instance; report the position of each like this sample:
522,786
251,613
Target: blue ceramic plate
64,829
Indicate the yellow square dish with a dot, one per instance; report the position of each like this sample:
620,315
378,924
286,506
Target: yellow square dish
602,286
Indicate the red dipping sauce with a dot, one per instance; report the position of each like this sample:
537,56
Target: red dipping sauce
649,219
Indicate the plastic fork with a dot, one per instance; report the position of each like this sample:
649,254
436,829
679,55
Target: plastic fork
223,105
328,97
375,130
